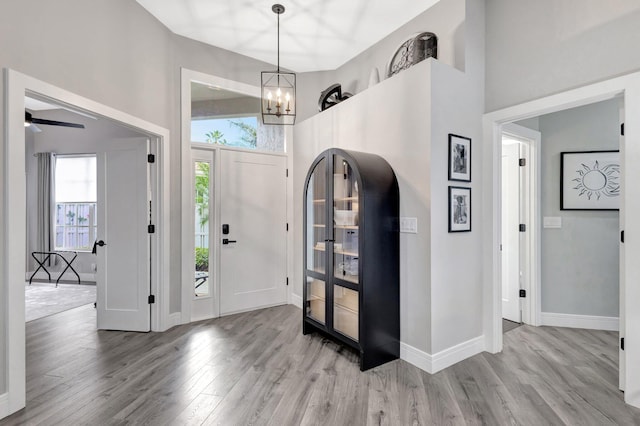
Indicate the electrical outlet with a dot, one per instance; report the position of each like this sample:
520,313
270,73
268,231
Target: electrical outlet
409,225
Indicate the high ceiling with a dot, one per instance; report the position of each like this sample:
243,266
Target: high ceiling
315,35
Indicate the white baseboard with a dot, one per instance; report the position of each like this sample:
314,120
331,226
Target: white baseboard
68,276
4,405
591,322
443,359
173,320
295,300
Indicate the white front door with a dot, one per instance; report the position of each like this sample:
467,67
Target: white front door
253,252
510,231
123,262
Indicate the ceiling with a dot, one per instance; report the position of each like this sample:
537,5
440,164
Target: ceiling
315,35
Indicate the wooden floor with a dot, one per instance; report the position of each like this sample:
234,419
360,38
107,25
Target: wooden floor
258,368
509,325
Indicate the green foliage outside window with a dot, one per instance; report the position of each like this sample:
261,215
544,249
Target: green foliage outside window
202,259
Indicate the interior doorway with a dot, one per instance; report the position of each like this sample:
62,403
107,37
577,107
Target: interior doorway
624,88
520,179
88,204
13,259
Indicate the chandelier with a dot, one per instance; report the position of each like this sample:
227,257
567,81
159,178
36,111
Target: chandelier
278,89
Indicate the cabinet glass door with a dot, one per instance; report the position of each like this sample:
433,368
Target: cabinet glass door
316,299
345,221
316,219
345,311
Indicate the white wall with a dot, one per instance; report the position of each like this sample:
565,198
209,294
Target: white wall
404,141
406,120
538,48
445,19
580,261
62,140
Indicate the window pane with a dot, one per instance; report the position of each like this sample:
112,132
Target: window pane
239,132
225,117
75,226
201,215
75,179
59,237
70,214
60,214
83,237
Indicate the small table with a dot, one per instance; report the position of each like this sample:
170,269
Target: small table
47,255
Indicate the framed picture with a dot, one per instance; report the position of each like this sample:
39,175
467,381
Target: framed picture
590,180
459,158
459,209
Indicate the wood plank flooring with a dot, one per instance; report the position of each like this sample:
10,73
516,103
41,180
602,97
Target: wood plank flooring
258,369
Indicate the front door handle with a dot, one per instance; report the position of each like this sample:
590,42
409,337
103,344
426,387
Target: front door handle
228,241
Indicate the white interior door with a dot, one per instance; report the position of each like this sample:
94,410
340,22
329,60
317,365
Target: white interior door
122,275
510,231
253,205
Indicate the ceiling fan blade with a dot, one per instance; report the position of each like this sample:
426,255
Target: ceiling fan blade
56,123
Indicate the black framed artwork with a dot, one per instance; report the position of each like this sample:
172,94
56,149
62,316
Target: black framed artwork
459,209
590,180
459,158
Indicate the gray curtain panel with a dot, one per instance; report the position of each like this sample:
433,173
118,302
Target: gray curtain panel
46,202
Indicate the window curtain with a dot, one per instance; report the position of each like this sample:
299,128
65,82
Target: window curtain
46,202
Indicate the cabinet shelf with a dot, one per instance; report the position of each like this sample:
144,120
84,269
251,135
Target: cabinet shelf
361,311
352,279
338,251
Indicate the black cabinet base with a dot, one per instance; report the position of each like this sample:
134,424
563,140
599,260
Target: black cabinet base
369,357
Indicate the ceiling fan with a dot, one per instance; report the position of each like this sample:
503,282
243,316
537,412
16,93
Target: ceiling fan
30,120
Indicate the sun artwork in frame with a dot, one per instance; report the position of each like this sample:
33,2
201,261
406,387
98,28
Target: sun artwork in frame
590,180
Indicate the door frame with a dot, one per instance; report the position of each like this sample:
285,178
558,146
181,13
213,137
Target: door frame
187,257
627,87
13,248
531,139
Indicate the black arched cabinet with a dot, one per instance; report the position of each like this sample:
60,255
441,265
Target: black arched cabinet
351,288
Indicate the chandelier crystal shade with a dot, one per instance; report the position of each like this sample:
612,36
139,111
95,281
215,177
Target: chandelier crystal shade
278,90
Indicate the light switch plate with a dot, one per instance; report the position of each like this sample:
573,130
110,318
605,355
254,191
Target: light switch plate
409,225
552,222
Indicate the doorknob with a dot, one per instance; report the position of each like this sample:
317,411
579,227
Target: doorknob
228,241
97,243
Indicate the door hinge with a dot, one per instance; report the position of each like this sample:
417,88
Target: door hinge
287,227
287,280
522,227
523,293
152,299
622,343
151,229
151,158
286,172
622,129
622,236
522,162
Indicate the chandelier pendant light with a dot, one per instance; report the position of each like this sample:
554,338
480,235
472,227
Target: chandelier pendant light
278,89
